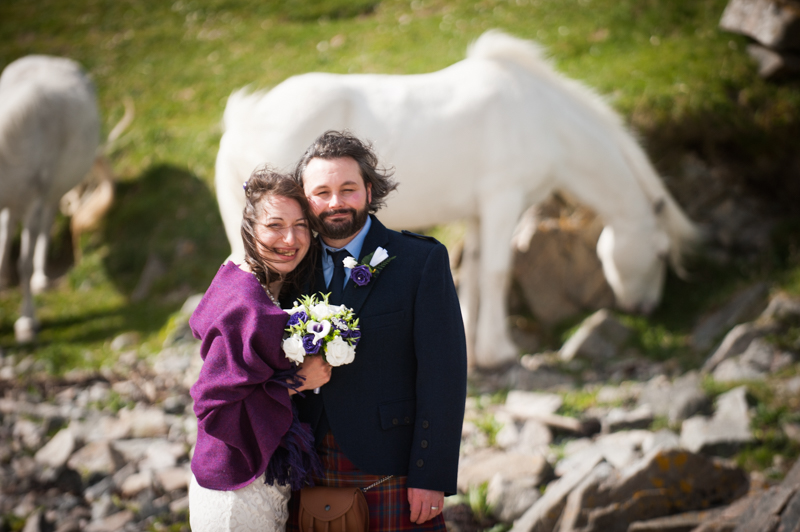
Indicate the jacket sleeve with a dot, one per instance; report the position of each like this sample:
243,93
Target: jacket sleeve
233,391
441,352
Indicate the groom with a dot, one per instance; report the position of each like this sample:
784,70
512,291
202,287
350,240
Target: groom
399,407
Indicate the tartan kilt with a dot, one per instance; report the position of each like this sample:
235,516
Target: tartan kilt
389,510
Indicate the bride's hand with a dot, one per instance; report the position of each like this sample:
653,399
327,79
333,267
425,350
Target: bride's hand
316,372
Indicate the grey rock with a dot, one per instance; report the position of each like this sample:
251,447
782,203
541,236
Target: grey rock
96,458
727,429
790,516
125,340
599,337
663,439
57,451
162,455
763,513
621,419
684,522
544,514
744,306
775,24
533,436
583,496
662,483
35,522
735,343
529,405
112,523
676,400
510,498
97,490
482,466
103,507
136,483
173,478
783,309
28,434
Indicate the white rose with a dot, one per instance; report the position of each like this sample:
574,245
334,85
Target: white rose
350,262
379,256
338,352
293,348
321,311
295,309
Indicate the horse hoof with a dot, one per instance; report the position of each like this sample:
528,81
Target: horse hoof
39,283
25,330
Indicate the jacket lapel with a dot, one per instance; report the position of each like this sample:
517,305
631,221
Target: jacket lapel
354,296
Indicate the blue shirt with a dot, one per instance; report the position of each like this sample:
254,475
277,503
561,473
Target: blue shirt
354,247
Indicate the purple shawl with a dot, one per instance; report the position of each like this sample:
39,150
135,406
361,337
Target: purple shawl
244,413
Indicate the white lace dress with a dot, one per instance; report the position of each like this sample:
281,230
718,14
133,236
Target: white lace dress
255,507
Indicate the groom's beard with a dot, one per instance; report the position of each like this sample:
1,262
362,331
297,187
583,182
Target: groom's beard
346,228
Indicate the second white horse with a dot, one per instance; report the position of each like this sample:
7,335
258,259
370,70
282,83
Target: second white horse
479,141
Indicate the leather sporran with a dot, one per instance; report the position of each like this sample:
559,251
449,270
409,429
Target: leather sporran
324,509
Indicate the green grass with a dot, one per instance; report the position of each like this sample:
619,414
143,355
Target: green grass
682,82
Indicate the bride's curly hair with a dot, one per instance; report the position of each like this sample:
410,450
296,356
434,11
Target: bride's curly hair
265,183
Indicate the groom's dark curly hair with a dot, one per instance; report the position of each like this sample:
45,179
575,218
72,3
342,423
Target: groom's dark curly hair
335,144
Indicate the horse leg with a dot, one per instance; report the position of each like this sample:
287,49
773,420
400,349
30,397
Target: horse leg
500,211
39,280
468,284
26,325
7,226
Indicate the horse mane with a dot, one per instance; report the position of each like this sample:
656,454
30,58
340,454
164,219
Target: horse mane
495,45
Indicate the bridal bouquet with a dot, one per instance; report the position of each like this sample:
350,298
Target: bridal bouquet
315,327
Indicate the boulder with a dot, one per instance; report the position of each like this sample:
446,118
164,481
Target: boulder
530,405
774,65
744,306
660,484
599,338
556,266
773,23
676,400
96,457
545,513
735,343
483,465
726,430
509,498
58,450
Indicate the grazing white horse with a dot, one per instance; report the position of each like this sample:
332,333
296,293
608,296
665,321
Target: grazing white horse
480,140
49,136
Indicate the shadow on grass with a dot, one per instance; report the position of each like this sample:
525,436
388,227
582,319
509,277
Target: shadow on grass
171,217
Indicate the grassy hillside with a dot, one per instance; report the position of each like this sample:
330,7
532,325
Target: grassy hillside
664,65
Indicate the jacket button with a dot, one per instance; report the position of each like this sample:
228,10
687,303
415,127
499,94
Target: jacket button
420,463
407,419
395,421
425,425
424,444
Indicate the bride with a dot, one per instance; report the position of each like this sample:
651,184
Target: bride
251,448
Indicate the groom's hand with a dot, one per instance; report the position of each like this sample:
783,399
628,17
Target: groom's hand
425,504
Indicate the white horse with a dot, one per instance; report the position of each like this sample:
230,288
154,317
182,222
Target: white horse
480,140
49,136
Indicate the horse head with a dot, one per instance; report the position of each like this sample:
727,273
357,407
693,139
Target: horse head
634,260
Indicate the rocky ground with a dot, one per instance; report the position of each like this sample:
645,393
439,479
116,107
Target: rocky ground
649,450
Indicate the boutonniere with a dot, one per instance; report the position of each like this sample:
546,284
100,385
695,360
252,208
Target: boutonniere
370,266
